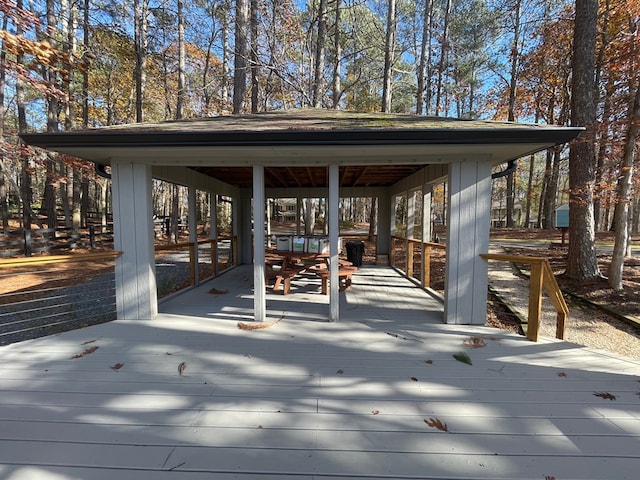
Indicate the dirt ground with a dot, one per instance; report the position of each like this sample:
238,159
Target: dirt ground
626,302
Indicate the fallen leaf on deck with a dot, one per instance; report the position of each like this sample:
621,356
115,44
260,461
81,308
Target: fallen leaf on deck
257,326
429,362
562,374
89,341
340,372
375,412
474,342
437,423
87,351
215,291
414,379
117,366
548,477
182,367
260,426
605,395
462,357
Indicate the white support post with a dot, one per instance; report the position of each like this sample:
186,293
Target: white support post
213,221
298,213
259,286
334,231
411,213
467,237
427,191
135,276
193,232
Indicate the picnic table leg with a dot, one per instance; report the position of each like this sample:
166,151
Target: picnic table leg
325,285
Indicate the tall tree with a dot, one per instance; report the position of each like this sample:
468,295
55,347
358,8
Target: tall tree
318,64
181,62
389,56
582,262
624,187
240,56
140,13
336,86
425,57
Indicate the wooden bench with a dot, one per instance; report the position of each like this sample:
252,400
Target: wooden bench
344,277
282,278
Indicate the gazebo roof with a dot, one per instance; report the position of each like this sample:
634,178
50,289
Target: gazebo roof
295,146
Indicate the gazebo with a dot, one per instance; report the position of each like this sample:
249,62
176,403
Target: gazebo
306,153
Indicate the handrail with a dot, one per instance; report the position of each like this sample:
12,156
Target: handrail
541,277
17,262
426,246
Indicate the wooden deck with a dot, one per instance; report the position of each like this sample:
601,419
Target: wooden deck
308,399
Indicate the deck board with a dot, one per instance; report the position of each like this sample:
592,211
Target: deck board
306,399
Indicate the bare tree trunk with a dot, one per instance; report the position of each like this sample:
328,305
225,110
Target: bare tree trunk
337,52
444,47
255,85
389,57
4,211
181,62
582,263
425,57
240,57
511,117
624,188
318,64
373,218
224,71
85,72
140,43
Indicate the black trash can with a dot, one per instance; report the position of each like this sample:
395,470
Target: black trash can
355,252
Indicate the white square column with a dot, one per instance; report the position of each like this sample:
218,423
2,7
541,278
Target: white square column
467,237
259,284
334,232
135,270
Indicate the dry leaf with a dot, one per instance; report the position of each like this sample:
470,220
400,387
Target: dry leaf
605,395
215,291
414,379
257,326
182,367
375,412
340,372
437,423
87,351
562,374
117,366
429,362
549,477
260,426
89,341
474,342
462,357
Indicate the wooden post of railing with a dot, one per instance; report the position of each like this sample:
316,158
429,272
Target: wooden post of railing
234,250
392,252
214,256
409,258
192,263
426,265
541,277
535,302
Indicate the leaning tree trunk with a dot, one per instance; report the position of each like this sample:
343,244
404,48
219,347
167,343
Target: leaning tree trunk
622,224
582,262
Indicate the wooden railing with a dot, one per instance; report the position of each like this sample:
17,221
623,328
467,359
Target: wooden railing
410,244
541,277
191,246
